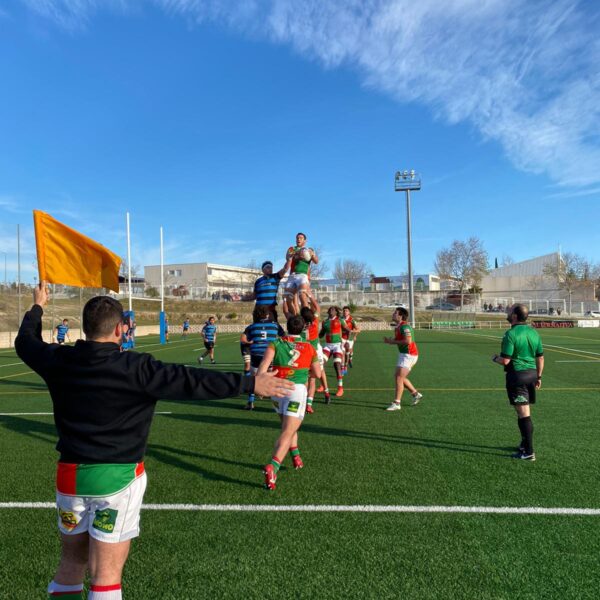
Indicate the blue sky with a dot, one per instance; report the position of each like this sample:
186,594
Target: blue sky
236,124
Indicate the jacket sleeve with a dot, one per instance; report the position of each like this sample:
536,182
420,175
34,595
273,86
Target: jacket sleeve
30,347
177,382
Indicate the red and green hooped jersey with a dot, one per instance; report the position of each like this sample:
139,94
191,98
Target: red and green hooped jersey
333,330
299,265
350,324
96,479
293,358
403,329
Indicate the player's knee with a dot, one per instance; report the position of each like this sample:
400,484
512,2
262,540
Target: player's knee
337,359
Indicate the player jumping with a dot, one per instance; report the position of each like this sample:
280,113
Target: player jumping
294,360
407,359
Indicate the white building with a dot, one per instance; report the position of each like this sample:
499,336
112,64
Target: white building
203,280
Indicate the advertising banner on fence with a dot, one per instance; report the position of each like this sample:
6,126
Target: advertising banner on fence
588,323
553,324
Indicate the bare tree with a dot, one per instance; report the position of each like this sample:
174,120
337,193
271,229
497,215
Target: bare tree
571,271
466,262
351,271
318,271
506,260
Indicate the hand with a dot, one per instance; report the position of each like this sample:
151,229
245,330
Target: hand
41,293
494,358
269,385
538,384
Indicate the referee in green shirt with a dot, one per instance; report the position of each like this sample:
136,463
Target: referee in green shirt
522,356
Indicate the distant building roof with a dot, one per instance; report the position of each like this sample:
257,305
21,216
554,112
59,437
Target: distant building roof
526,268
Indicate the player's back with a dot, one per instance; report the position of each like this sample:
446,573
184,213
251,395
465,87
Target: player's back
293,358
261,334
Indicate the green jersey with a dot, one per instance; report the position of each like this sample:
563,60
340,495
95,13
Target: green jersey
522,344
293,358
332,328
299,265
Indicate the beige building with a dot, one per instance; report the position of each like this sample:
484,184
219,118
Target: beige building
202,280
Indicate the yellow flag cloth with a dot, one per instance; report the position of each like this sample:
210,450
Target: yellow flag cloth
66,256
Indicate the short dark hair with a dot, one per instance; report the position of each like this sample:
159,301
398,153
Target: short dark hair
295,325
307,314
101,315
261,312
336,308
67,320
267,263
521,312
302,234
346,307
402,312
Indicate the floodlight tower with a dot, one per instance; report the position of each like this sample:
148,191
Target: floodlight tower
407,181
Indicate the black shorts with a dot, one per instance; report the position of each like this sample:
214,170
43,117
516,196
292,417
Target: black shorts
255,360
245,349
209,345
520,387
60,341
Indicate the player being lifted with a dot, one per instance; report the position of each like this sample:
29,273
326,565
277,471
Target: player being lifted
407,357
332,329
209,333
258,336
311,335
348,339
297,289
294,360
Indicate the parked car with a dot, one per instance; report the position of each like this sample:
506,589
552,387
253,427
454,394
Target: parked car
441,306
594,314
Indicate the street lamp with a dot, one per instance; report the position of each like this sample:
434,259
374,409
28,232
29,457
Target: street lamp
5,255
407,181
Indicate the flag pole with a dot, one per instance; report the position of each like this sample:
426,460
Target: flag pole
19,275
129,264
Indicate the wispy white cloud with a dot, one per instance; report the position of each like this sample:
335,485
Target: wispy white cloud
523,74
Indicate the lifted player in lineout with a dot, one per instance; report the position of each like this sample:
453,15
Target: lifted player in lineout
407,357
295,361
297,289
332,330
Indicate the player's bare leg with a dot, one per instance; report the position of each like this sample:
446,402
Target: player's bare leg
304,296
286,440
73,559
337,365
402,382
106,562
312,385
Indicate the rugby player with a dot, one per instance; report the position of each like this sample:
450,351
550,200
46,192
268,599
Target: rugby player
294,360
103,402
185,328
266,286
407,358
310,334
259,335
62,331
332,329
348,339
297,288
209,333
522,356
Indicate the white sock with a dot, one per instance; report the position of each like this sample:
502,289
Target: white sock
58,589
105,592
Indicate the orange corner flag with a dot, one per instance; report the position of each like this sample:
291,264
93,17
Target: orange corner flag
66,256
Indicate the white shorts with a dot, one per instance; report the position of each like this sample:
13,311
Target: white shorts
320,354
293,405
406,361
333,349
109,519
295,280
349,343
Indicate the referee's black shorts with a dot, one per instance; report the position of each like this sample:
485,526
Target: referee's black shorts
520,386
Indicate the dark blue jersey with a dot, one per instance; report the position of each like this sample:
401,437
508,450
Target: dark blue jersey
209,331
186,324
261,334
61,332
265,289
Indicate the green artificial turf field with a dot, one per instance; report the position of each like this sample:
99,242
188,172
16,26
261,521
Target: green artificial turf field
452,450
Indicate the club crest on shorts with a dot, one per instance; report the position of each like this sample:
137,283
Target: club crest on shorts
67,519
105,520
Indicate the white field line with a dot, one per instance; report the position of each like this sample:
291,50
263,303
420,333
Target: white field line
349,508
589,361
495,337
11,365
48,414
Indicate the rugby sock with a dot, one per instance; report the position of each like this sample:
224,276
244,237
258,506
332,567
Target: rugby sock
340,383
294,451
250,398
326,390
105,592
526,428
276,463
309,401
58,590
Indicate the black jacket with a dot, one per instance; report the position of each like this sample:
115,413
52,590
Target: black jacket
104,399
